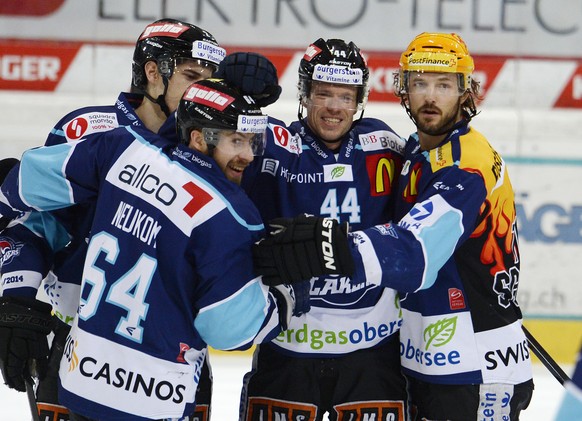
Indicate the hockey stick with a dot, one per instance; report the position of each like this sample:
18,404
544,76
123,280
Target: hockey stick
545,358
31,399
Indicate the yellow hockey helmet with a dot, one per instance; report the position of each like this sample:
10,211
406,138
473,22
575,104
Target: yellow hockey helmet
438,53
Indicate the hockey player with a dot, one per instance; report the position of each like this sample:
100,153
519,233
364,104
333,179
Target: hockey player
342,357
169,266
169,55
453,254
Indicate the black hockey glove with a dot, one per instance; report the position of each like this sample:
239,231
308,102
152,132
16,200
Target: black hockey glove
302,248
24,326
292,300
253,74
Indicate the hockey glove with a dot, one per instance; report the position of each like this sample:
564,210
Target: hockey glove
253,74
302,248
24,326
292,300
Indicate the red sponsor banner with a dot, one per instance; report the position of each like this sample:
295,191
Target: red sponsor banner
29,7
571,96
40,66
35,66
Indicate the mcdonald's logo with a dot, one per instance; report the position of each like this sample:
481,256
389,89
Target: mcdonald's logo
383,170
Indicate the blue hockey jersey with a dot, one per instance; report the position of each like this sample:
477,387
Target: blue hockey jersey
32,254
299,174
168,269
454,257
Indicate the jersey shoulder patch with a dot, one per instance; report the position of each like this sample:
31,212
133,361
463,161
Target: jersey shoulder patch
283,138
441,157
88,123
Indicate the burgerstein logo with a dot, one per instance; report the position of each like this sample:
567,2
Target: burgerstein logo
440,333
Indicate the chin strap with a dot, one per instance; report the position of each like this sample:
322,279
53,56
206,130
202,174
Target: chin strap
160,100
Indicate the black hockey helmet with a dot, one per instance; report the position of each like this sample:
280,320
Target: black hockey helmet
166,40
211,105
334,61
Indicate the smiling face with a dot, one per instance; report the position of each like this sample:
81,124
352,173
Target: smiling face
233,151
435,105
330,111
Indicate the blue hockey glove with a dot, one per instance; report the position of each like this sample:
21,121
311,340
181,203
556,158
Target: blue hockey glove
253,74
24,326
301,248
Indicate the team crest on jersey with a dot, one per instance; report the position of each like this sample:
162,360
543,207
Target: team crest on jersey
9,249
88,123
284,139
387,229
